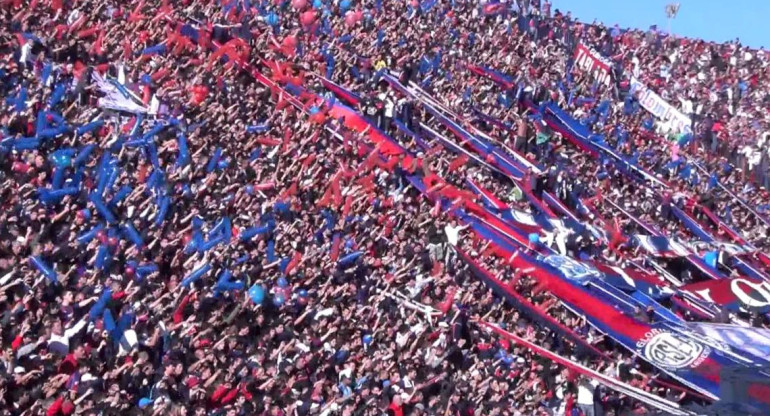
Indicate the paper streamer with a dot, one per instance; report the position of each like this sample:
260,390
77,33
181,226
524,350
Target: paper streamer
44,268
196,275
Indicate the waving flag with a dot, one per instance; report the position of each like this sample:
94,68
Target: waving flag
660,246
734,294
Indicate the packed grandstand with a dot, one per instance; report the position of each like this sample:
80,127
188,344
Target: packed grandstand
373,207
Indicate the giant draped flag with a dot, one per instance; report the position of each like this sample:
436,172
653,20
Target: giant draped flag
739,293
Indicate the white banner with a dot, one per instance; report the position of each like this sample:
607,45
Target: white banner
661,109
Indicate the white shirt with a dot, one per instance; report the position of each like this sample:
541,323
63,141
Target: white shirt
26,52
453,233
586,392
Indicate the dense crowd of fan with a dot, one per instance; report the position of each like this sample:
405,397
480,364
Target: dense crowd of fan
102,324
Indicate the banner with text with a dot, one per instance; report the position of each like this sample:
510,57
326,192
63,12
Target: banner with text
591,61
660,108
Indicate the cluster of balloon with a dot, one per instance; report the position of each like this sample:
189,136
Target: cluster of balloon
302,298
282,292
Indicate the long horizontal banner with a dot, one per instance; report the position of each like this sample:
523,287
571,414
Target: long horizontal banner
660,108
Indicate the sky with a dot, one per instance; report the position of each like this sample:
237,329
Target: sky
713,20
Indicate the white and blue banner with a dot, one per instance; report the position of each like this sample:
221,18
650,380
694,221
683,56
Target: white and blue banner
660,108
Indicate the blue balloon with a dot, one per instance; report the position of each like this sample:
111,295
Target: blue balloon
367,339
61,159
257,294
344,5
302,293
250,189
272,19
278,300
711,258
317,4
144,402
508,359
534,238
282,282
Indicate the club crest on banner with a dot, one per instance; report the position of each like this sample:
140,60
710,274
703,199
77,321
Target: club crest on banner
571,269
669,350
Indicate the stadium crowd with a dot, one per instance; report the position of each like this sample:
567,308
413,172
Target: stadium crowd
239,251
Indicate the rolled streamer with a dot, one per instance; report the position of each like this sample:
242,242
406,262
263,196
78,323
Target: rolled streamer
155,50
141,142
58,93
87,32
104,177
224,284
58,177
293,263
130,233
227,230
155,179
157,128
87,128
101,208
335,250
269,142
98,308
54,196
196,275
208,245
103,257
87,236
159,74
52,132
153,152
26,143
282,207
214,160
264,186
109,321
146,269
350,258
270,252
261,128
83,154
104,163
252,232
184,153
122,193
45,269
137,125
165,201
113,176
